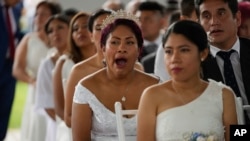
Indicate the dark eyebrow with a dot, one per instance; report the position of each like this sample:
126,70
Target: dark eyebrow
116,37
129,38
180,46
184,45
221,9
120,38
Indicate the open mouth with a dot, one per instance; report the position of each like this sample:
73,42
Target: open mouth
121,62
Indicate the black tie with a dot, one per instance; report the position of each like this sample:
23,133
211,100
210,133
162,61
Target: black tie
10,33
229,72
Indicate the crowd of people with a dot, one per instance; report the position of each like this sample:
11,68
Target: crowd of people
181,64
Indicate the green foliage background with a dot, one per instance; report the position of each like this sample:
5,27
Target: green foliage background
18,105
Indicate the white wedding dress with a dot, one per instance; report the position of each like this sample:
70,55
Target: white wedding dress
200,118
33,126
63,132
103,120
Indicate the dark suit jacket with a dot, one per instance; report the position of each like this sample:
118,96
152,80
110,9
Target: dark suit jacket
148,62
4,41
210,68
7,81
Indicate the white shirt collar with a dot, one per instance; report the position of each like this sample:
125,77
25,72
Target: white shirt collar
157,41
214,50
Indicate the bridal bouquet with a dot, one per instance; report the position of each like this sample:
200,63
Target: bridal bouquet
196,136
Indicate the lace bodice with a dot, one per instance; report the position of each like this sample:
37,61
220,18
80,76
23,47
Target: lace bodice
103,120
202,116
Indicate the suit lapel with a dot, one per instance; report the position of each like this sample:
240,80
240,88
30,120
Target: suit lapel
16,12
210,69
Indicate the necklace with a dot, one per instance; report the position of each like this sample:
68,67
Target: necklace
123,97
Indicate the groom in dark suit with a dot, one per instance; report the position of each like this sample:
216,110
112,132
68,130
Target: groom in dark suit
220,19
10,14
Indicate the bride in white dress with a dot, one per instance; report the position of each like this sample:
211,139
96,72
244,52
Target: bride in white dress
30,51
80,49
93,116
186,108
33,122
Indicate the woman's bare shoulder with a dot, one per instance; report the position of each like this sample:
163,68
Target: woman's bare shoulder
93,77
159,95
227,93
158,89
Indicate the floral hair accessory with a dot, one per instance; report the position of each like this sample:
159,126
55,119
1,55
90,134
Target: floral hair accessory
120,14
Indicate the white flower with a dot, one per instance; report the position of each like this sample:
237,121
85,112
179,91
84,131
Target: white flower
212,138
199,136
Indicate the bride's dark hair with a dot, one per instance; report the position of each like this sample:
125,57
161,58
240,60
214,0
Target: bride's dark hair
129,23
191,30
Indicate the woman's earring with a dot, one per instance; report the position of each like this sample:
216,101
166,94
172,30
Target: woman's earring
104,62
202,59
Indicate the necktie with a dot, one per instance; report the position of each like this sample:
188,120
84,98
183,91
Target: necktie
229,76
10,33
